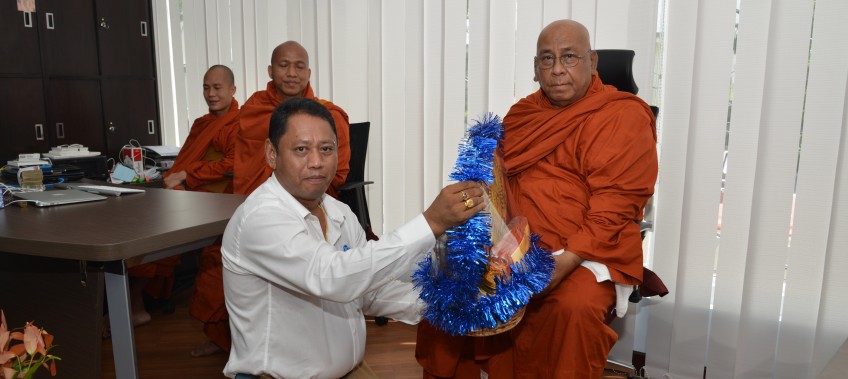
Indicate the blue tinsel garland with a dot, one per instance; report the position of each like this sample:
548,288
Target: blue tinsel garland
451,290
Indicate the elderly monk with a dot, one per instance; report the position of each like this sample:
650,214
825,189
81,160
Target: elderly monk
581,164
205,163
289,71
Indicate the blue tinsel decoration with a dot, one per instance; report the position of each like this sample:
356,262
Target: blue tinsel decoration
454,301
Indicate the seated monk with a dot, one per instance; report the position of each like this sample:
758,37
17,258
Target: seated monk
289,71
581,164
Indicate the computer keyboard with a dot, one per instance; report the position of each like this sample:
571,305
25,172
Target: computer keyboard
108,190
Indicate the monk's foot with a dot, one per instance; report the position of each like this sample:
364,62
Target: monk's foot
140,318
205,349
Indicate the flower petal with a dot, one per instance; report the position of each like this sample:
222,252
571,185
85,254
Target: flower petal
30,338
8,372
4,339
6,356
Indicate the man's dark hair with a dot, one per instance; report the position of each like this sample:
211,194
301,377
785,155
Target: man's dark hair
296,105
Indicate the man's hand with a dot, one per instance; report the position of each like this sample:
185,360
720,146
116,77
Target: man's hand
454,205
175,179
564,264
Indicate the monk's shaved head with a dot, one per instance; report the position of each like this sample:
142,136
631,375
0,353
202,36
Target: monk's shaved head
288,46
570,27
228,74
289,70
564,62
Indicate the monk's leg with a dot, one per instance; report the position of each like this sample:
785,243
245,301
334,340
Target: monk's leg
207,303
563,335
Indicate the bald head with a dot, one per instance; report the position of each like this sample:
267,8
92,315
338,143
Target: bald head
289,47
564,62
225,71
289,70
572,28
218,89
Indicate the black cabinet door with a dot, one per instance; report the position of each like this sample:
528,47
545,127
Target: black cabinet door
19,53
125,36
75,113
130,111
22,122
67,29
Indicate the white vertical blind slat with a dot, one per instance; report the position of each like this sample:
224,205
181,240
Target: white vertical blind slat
527,32
324,51
832,328
432,117
553,10
642,38
501,44
394,109
453,90
247,53
235,56
189,75
585,12
166,88
662,324
478,58
412,121
817,166
374,168
350,59
613,18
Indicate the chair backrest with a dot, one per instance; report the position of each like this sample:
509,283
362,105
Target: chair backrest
358,150
615,67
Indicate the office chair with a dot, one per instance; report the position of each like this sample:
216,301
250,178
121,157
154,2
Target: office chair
615,67
352,192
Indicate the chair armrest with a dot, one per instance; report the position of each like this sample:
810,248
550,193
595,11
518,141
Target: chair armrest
353,185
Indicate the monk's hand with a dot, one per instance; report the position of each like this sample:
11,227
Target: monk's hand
174,179
564,264
454,205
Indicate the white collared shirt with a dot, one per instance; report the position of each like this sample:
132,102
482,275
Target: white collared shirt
296,301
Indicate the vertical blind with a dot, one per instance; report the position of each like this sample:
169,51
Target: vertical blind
758,84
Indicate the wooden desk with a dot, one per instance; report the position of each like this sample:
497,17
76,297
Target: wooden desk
122,232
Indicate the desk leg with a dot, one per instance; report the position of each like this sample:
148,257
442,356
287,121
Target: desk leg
123,342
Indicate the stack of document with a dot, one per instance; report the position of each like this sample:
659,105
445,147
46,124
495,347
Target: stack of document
68,151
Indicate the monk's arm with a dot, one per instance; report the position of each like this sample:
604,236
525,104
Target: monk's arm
343,133
205,172
619,153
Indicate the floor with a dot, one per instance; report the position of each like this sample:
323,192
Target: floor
163,347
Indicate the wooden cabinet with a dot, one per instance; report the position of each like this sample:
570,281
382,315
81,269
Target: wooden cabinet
129,107
77,72
23,131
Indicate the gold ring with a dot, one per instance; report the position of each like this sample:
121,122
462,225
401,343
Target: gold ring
469,203
464,196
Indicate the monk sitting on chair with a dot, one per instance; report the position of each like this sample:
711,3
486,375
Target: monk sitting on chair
205,163
289,71
581,164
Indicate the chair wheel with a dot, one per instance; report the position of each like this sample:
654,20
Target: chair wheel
380,320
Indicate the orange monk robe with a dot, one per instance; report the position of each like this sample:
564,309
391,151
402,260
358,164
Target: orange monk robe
581,175
250,169
208,152
207,159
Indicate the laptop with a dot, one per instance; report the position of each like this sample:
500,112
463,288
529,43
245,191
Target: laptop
58,197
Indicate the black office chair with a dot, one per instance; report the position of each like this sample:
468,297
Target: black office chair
615,67
352,192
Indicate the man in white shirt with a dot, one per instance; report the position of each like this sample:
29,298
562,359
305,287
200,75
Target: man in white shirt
299,274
